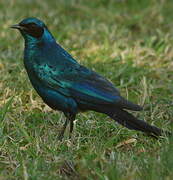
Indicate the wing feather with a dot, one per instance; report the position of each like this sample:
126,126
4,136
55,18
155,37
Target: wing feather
80,83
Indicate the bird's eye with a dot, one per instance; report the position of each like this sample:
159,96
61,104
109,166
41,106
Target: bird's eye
33,29
32,24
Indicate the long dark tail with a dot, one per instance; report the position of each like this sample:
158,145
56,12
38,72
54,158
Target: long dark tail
128,120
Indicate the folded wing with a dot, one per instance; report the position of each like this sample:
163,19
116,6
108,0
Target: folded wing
82,85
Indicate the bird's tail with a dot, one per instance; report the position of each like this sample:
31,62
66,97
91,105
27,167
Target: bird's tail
128,120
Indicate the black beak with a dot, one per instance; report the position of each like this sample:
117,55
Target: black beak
17,26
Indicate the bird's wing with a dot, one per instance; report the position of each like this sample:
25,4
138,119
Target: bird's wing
82,84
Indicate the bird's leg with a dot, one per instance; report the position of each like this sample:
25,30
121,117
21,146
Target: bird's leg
71,128
61,134
72,118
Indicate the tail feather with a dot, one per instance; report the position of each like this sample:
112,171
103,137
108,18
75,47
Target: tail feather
125,104
128,120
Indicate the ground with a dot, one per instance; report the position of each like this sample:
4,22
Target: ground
127,41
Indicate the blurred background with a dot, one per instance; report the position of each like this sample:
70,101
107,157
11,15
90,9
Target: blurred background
127,41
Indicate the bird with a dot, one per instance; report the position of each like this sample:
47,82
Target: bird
67,86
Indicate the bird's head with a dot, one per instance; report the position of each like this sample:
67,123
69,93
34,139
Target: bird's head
33,29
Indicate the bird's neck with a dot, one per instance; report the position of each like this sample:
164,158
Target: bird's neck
46,39
37,47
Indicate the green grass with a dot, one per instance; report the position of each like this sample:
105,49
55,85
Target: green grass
127,41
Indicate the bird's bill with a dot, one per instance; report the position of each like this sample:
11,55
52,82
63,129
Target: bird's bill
17,26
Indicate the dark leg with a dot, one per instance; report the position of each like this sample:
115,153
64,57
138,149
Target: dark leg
71,128
61,134
69,118
72,118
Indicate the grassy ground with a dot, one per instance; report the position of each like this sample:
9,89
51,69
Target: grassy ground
127,41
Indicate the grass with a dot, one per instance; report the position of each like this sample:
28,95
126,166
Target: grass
128,42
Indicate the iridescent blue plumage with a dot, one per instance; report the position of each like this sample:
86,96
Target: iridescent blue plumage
67,86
